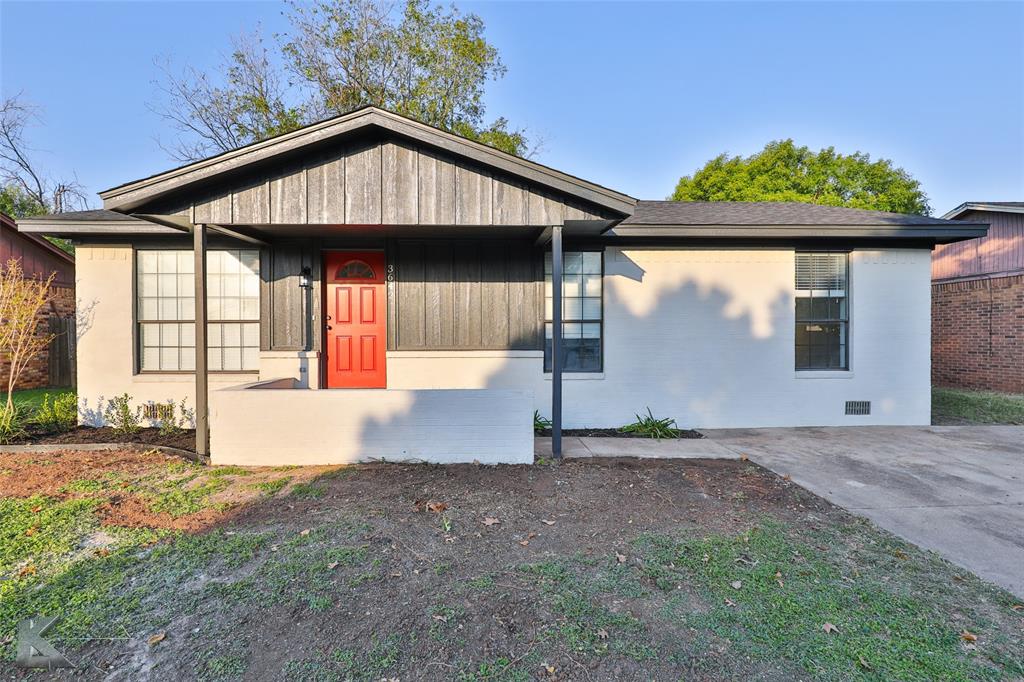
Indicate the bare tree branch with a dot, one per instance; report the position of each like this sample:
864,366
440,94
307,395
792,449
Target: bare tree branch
18,169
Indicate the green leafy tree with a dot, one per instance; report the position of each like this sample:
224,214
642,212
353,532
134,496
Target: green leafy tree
15,202
784,172
419,60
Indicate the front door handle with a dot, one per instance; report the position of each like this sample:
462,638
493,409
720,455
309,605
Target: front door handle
329,327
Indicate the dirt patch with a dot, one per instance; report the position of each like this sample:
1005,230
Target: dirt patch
136,484
185,440
615,433
49,473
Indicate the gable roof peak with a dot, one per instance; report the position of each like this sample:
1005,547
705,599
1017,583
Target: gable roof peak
130,195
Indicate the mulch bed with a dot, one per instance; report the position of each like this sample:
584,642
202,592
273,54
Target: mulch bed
186,440
615,433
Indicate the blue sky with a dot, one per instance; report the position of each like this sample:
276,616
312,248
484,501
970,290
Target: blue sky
628,95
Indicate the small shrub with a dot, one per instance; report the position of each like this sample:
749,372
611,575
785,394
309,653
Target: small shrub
652,428
12,422
175,422
540,423
121,417
60,415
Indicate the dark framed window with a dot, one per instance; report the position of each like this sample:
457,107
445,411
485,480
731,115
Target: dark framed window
582,310
165,310
822,310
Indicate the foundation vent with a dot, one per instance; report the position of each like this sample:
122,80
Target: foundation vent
858,407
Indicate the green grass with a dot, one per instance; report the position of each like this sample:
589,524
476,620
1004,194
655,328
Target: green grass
979,407
273,486
30,399
787,591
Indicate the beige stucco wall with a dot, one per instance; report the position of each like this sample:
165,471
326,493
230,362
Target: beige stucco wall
103,282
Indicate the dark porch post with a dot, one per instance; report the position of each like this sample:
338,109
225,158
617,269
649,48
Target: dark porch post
202,378
556,341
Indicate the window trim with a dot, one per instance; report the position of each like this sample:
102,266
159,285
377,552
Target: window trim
137,322
848,320
544,318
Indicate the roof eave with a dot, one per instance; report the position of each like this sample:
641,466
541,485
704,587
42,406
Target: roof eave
131,195
940,234
980,206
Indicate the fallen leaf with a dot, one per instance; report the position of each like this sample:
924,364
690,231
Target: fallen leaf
743,458
304,532
829,628
102,551
524,543
436,507
1018,607
547,523
968,636
490,521
959,578
31,531
901,555
787,477
333,565
620,557
441,618
736,584
36,510
729,602
273,548
419,505
27,570
157,638
864,664
778,578
602,634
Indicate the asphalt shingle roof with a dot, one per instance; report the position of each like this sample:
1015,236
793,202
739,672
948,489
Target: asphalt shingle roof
94,215
666,213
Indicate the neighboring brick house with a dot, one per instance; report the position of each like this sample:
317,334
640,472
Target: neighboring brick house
40,258
978,302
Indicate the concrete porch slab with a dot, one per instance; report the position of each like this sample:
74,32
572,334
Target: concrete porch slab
681,448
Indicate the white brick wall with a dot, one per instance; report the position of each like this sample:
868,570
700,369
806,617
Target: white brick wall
706,337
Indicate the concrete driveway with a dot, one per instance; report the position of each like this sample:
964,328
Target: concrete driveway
957,490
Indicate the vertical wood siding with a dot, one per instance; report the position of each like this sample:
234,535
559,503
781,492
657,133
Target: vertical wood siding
466,295
389,182
282,308
1000,251
36,259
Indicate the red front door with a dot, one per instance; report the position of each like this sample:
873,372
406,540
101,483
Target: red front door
356,328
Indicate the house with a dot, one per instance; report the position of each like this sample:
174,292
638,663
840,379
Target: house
377,288
978,302
39,258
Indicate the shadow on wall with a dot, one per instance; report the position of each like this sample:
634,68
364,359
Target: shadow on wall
690,342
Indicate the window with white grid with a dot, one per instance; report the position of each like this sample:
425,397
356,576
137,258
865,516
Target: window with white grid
166,310
581,311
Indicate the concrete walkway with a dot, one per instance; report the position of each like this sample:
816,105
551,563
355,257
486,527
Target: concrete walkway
957,490
682,448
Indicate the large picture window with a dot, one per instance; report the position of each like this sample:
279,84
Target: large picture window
581,311
822,311
166,310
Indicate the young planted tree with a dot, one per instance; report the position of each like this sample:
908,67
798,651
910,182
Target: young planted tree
784,172
22,300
